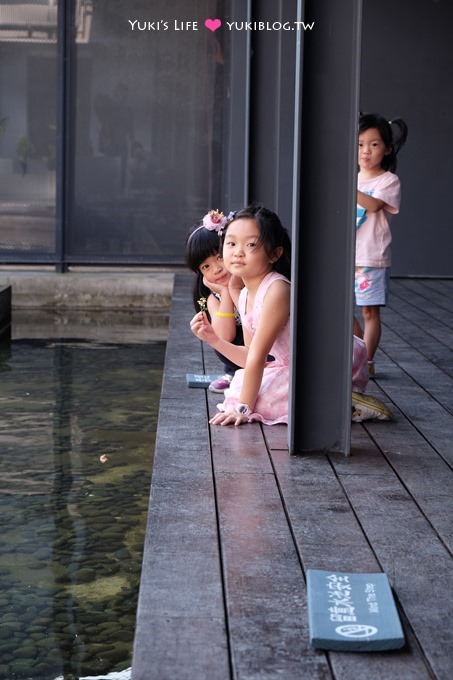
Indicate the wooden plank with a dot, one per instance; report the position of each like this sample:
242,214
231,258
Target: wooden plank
416,294
325,529
264,585
329,536
181,629
184,352
240,528
276,437
418,445
423,473
427,414
410,552
423,393
423,320
169,648
439,291
429,345
429,376
436,294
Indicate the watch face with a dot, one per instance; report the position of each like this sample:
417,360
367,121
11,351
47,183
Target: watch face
243,409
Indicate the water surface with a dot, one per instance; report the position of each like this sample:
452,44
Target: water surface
77,429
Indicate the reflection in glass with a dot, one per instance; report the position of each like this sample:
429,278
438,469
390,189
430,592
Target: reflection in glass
28,53
146,99
149,129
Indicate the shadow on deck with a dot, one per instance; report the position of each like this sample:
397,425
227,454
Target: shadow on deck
235,522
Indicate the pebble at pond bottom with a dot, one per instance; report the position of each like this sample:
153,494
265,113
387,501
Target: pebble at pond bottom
77,429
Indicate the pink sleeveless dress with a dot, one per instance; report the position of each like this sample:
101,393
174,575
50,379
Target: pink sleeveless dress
271,406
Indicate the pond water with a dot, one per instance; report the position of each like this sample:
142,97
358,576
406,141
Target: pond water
77,430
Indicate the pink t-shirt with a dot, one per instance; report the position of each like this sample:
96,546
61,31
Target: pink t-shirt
373,237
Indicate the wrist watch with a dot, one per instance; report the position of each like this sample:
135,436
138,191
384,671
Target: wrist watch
243,410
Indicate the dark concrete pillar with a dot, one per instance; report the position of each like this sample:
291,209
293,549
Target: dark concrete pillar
327,93
5,314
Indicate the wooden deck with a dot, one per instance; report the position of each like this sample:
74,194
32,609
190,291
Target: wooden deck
234,521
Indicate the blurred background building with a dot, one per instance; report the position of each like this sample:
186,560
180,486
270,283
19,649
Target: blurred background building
123,121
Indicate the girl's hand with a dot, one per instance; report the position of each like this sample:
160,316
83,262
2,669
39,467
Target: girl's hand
229,418
369,202
201,327
214,287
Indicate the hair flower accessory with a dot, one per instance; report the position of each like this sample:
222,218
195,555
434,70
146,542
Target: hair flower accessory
214,220
226,221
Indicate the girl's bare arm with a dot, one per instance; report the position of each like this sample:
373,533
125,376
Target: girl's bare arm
369,203
274,316
222,313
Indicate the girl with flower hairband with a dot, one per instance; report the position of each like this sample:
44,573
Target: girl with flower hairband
257,251
211,293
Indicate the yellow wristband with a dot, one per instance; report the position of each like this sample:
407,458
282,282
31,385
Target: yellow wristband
225,315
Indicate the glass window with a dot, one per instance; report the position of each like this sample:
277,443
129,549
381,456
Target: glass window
28,58
149,128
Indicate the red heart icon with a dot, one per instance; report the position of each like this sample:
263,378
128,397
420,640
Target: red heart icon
212,24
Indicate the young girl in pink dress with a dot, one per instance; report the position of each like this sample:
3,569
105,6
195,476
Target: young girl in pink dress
257,252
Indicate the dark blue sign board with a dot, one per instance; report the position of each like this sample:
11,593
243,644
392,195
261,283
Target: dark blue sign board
199,379
352,612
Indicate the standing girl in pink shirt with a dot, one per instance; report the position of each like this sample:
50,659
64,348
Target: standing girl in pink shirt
378,198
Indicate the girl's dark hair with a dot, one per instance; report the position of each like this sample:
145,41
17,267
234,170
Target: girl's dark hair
272,235
393,133
200,244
